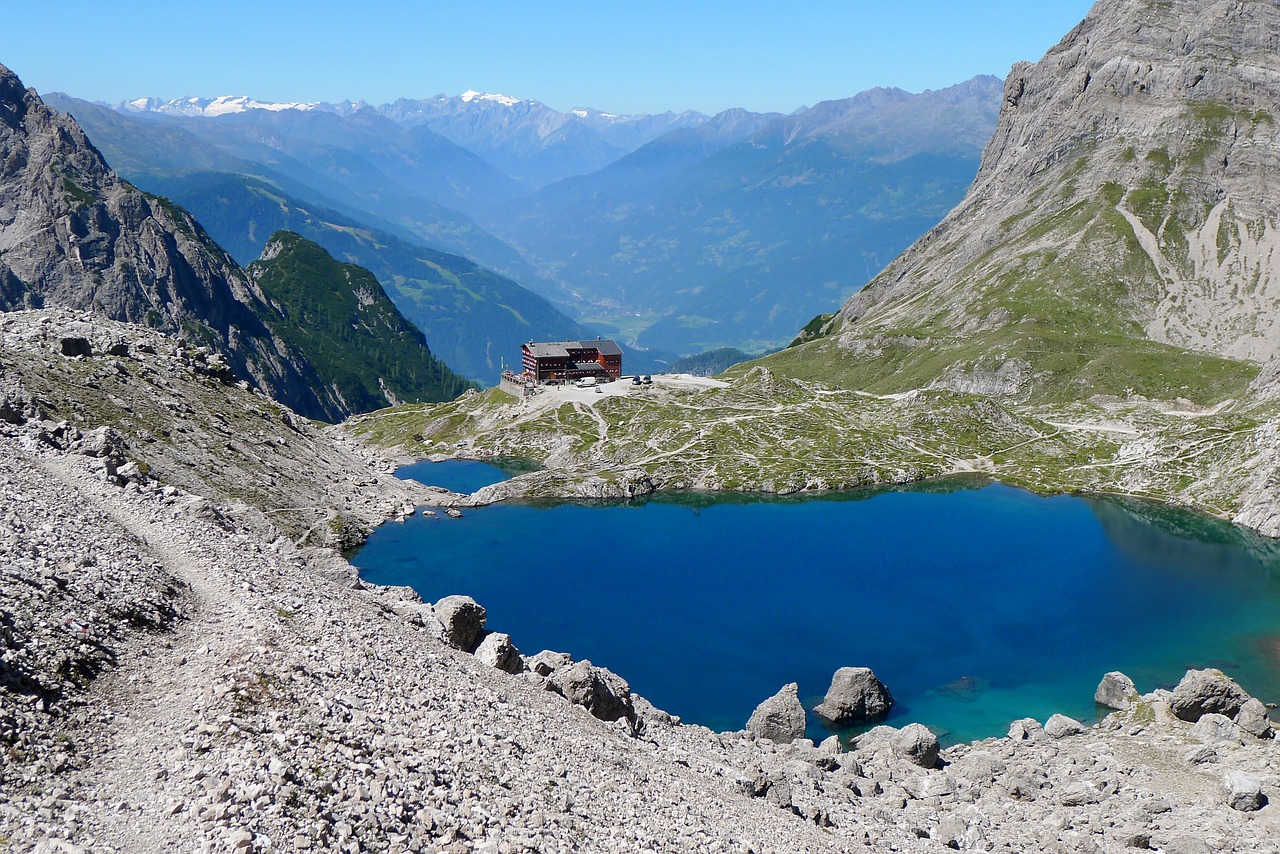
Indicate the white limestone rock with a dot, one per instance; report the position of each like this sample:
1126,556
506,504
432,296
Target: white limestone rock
497,650
463,619
1252,718
1116,691
1208,691
1243,791
1061,726
917,744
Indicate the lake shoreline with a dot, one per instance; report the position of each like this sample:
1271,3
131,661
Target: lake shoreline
1148,526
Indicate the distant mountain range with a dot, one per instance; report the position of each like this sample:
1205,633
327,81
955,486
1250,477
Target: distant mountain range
676,232
737,232
524,139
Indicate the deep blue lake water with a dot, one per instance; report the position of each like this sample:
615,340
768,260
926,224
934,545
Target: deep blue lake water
465,476
976,606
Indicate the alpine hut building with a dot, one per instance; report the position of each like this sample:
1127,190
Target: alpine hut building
558,361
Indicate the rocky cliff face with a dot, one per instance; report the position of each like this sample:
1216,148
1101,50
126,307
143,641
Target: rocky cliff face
73,234
1126,205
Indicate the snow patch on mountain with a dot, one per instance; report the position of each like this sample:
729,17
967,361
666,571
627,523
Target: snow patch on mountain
220,106
472,95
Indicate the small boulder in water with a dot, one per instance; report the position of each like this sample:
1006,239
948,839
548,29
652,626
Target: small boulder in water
855,695
1116,691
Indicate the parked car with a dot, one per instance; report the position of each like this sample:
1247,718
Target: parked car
648,379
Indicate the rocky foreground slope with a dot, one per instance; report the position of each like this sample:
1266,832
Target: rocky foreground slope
180,673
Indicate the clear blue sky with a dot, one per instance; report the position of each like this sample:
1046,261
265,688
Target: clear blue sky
641,56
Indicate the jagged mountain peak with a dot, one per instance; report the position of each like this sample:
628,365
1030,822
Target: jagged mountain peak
74,235
1125,205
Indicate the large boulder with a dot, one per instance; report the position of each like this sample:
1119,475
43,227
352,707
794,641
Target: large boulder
1203,692
603,693
855,695
779,718
1243,791
462,619
497,650
1061,726
1252,718
1217,729
547,662
916,744
1116,691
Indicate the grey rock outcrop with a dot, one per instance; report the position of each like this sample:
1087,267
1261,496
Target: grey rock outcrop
1116,691
1208,691
1138,92
779,718
855,695
1243,791
497,650
1213,728
462,619
1061,726
547,662
74,235
1026,729
917,744
603,693
1252,718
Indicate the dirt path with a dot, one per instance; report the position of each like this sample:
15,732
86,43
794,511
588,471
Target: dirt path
159,692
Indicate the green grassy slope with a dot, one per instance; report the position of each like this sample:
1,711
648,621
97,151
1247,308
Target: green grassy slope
339,317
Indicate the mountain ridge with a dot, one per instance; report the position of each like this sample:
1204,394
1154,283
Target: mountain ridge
73,234
739,239
1126,187
338,314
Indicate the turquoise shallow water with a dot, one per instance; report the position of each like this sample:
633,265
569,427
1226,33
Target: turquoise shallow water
976,606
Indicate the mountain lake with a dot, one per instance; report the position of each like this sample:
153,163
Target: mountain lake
976,603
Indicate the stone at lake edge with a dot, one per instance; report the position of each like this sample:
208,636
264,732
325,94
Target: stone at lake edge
462,618
547,662
1061,726
855,695
603,693
779,718
1115,691
1252,718
917,744
497,650
1204,692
